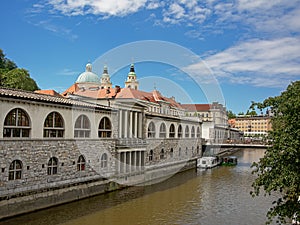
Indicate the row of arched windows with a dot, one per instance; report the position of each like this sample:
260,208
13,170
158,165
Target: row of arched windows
172,131
17,124
16,167
162,154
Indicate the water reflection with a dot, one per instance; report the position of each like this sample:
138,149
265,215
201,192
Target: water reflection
216,196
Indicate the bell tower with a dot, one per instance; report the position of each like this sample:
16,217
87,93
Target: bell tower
105,79
131,81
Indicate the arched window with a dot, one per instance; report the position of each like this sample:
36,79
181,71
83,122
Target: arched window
104,160
52,166
187,132
198,150
179,131
151,130
193,132
172,131
198,132
104,130
171,153
162,154
151,155
15,170
82,127
16,124
162,131
81,163
54,125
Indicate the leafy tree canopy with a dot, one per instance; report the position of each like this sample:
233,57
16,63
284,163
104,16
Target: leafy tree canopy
251,113
230,114
279,169
13,77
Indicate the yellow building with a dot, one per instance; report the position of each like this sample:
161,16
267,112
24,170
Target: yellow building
252,125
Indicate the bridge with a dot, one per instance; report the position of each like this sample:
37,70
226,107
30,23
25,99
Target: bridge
228,145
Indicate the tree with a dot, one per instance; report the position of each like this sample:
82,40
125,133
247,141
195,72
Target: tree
230,114
13,77
278,170
19,79
251,113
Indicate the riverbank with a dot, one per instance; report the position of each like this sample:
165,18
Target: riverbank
42,198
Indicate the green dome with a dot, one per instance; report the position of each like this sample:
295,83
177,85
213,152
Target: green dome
88,76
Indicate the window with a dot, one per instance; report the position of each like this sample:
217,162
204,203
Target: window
172,131
151,155
52,166
179,152
16,124
198,132
15,170
162,131
54,125
151,130
104,160
81,163
179,131
104,130
193,132
162,154
82,127
171,153
187,132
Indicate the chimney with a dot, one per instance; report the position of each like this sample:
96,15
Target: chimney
118,89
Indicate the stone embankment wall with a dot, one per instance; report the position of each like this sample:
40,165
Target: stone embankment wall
37,189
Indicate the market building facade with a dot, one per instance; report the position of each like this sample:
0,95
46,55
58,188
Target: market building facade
90,139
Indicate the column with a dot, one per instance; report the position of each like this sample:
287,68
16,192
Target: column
136,124
120,123
130,123
126,124
137,160
122,159
133,158
140,125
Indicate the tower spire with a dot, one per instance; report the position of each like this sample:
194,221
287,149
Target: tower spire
131,81
105,79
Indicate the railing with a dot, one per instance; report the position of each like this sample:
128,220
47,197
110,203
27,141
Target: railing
131,142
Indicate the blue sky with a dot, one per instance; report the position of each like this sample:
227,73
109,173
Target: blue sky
251,47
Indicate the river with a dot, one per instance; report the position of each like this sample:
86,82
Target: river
217,196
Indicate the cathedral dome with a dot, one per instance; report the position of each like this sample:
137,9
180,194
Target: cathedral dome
88,76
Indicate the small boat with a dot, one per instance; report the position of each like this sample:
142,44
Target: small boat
208,162
229,161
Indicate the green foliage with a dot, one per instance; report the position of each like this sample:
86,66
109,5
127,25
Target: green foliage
279,169
13,77
251,113
19,79
230,114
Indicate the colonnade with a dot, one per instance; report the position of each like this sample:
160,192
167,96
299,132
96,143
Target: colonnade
130,161
130,124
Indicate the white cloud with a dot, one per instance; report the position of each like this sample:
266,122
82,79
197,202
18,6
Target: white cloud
68,72
266,63
97,7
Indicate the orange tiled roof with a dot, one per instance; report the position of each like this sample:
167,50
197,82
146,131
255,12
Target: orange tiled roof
32,96
121,93
196,107
48,92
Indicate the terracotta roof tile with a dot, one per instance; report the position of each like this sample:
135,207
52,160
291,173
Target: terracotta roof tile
14,93
197,107
48,92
